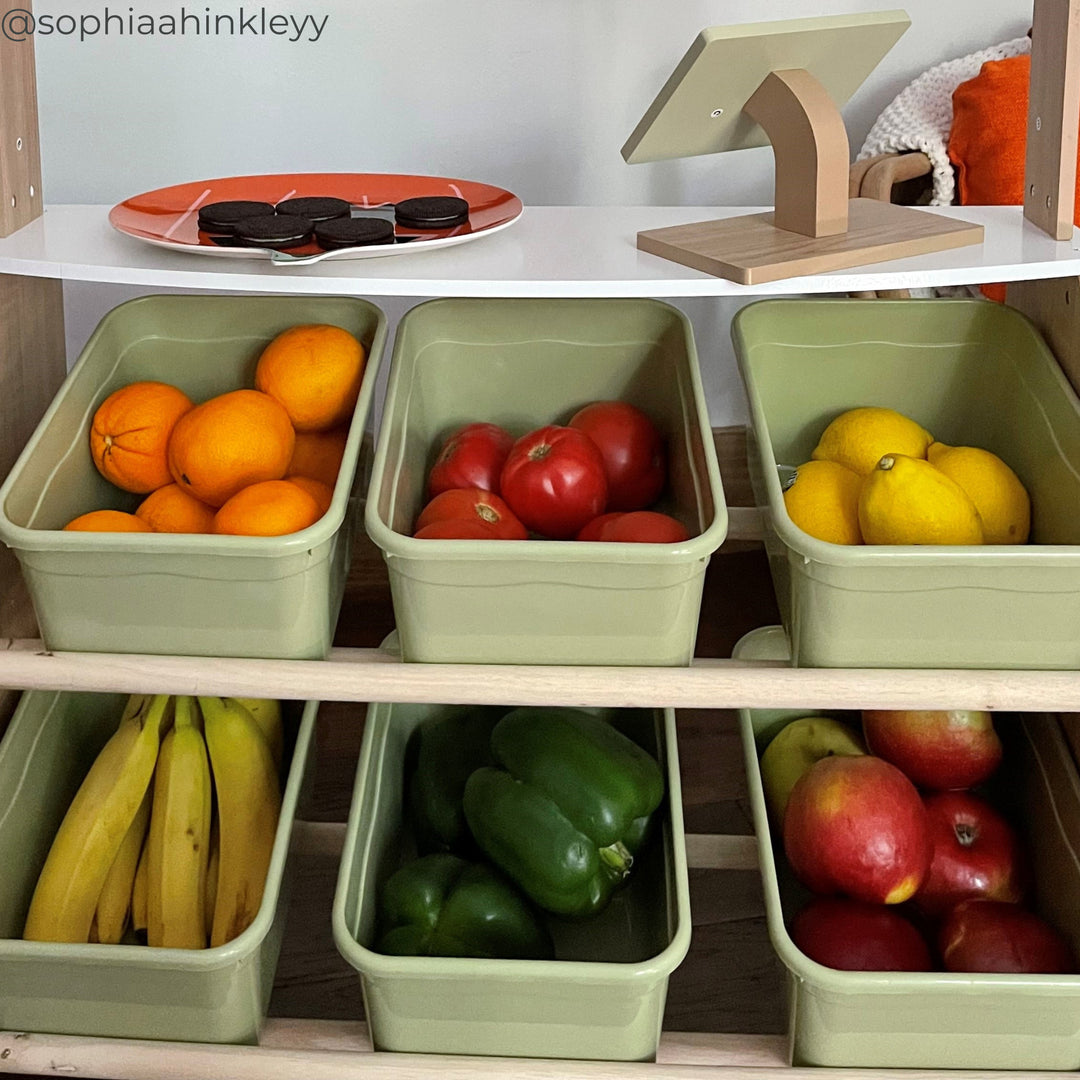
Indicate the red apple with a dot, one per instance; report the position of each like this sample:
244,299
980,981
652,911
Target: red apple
857,825
855,936
976,853
988,935
942,750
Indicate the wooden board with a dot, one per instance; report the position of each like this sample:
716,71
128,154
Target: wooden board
1053,115
20,157
751,250
32,348
1053,305
33,351
31,311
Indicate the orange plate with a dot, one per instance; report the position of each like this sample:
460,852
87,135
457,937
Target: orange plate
169,216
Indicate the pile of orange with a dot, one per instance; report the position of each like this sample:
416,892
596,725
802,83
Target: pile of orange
256,461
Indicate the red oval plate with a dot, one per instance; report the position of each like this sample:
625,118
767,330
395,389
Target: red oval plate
169,216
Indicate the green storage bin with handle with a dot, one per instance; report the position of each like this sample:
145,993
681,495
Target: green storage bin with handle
204,595
216,995
601,998
523,364
972,373
932,1020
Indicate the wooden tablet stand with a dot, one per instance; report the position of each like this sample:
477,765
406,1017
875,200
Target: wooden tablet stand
815,227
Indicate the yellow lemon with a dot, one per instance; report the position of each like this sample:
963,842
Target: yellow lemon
823,501
859,438
998,495
905,500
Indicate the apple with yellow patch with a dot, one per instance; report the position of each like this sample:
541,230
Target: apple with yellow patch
793,749
857,826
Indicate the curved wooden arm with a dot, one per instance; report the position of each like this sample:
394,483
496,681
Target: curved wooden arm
859,169
881,177
874,177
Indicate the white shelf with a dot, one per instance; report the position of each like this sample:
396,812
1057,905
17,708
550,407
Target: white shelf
550,251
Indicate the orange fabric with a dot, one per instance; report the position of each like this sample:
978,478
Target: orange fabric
988,139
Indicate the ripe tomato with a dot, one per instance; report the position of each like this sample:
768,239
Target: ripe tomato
472,457
554,481
636,527
595,528
633,450
472,504
457,529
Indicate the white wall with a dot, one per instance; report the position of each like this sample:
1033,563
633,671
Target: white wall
534,95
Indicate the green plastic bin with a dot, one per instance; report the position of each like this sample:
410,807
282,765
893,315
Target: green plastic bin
972,373
602,997
262,596
933,1020
524,364
217,995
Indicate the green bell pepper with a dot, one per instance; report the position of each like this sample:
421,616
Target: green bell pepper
442,752
442,905
567,809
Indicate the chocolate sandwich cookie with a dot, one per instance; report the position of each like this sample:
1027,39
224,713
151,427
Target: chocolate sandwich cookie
431,212
315,208
222,217
353,232
274,231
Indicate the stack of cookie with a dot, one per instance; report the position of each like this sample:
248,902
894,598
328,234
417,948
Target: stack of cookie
329,222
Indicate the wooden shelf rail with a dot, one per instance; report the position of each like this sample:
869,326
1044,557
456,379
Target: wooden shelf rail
341,1050
366,675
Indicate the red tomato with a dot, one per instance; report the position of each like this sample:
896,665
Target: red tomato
554,481
472,504
595,527
457,529
636,527
470,458
633,451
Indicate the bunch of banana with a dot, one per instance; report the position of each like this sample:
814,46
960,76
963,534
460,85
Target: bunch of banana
143,843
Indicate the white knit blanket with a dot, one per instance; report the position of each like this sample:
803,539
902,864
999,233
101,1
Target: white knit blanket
920,117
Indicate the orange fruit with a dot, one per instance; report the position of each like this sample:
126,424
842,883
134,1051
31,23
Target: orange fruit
320,492
107,521
130,433
318,454
229,442
269,508
171,509
315,371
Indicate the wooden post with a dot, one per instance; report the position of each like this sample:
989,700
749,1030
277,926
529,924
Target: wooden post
810,145
1053,116
20,157
32,351
1053,305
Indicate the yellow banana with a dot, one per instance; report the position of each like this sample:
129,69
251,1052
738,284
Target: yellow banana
249,803
114,903
138,892
94,827
211,875
178,845
134,704
267,713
